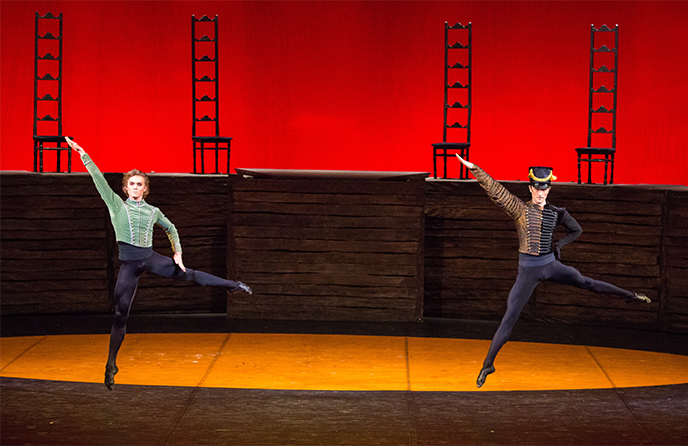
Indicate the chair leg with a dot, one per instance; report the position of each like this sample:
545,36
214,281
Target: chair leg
202,157
589,169
194,156
579,161
228,147
605,169
611,175
40,157
464,168
434,162
444,156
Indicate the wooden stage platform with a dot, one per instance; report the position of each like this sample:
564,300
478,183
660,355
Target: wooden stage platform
306,383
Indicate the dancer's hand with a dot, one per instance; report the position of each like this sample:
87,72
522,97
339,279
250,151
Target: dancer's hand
178,260
74,146
465,163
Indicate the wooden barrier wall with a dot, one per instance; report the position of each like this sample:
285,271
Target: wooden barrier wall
289,240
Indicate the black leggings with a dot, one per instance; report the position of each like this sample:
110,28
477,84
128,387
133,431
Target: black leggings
128,280
528,278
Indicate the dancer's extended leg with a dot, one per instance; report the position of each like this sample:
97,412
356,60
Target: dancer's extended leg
568,275
165,266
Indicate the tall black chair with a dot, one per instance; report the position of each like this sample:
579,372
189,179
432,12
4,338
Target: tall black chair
205,82
458,83
47,98
602,103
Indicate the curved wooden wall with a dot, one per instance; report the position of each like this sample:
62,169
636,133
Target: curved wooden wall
343,250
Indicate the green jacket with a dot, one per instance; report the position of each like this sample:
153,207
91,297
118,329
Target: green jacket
133,221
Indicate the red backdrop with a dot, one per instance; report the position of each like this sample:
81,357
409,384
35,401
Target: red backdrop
353,85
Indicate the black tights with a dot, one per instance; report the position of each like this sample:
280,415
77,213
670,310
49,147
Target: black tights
528,278
128,280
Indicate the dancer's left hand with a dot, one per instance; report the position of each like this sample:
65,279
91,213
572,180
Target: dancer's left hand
178,260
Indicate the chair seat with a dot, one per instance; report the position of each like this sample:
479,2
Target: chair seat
595,150
51,138
211,138
451,145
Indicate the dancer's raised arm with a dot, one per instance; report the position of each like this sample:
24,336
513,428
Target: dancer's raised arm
507,201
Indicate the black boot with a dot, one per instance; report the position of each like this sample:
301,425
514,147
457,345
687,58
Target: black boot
638,297
483,375
110,377
241,286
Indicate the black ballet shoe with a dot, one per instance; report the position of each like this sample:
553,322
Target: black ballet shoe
483,375
638,297
241,286
110,377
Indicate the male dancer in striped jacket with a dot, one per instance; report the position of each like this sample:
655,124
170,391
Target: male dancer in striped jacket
536,221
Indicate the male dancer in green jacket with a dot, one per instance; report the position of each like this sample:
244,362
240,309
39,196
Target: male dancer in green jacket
133,220
538,259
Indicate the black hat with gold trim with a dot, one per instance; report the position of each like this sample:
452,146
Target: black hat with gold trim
540,177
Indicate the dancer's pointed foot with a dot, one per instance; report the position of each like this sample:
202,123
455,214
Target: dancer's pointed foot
638,297
110,376
241,286
483,375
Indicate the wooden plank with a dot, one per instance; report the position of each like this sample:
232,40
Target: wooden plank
31,275
36,286
329,209
411,188
360,247
612,317
255,311
330,279
324,257
52,225
327,289
319,233
342,268
307,221
361,302
327,198
56,255
78,264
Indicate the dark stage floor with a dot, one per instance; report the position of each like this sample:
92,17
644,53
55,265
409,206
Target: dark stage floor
44,411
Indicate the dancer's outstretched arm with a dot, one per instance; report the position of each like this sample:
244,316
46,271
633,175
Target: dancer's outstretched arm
507,201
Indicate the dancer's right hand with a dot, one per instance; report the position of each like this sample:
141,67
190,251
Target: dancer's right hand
74,146
465,163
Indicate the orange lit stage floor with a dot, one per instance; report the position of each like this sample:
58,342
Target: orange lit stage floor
392,384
